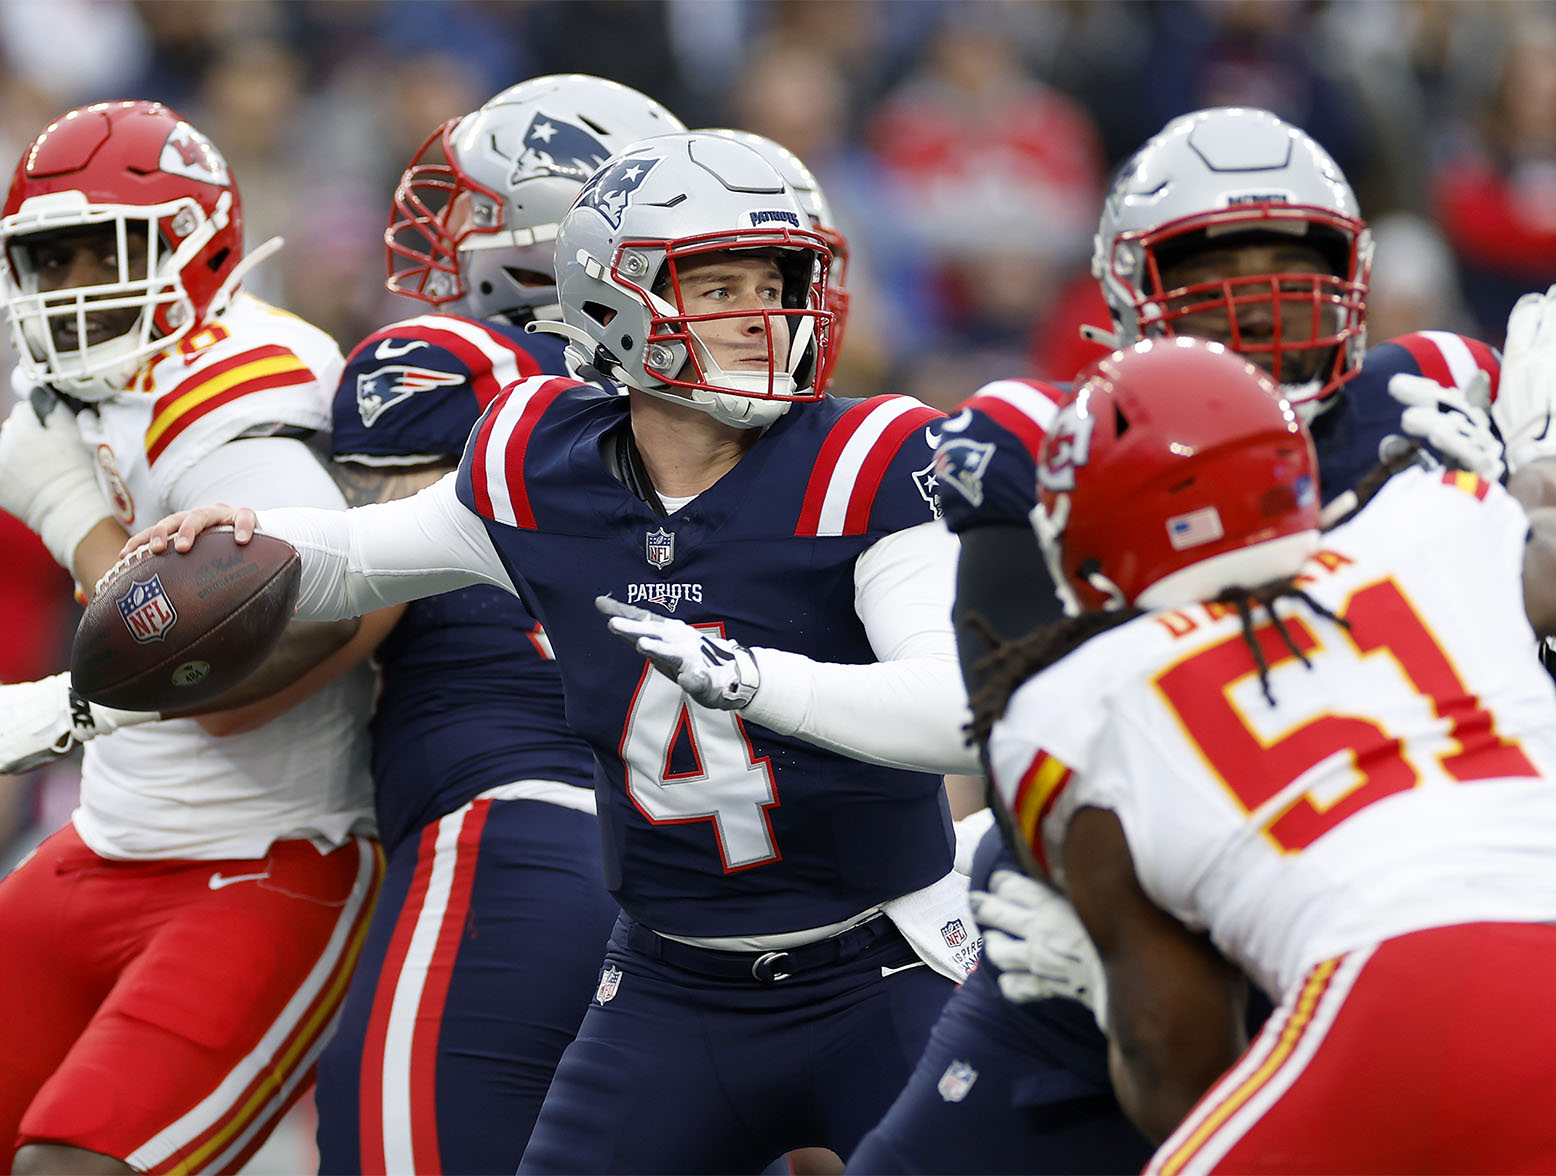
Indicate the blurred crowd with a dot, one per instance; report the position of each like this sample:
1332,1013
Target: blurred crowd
964,144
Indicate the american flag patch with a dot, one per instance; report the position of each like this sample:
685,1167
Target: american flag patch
1195,528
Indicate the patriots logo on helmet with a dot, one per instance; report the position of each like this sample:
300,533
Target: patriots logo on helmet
609,192
554,147
383,388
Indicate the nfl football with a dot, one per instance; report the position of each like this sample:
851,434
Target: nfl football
167,632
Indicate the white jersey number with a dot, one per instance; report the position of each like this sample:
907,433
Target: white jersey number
721,779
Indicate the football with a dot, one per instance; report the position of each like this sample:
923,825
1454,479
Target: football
171,631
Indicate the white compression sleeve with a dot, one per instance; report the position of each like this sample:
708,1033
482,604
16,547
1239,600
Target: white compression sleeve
355,561
906,710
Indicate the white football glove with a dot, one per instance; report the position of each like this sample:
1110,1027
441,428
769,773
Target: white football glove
1526,395
48,479
714,671
1453,421
1033,935
41,721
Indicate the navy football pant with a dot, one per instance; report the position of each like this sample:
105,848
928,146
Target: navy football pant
478,966
675,1070
1006,1088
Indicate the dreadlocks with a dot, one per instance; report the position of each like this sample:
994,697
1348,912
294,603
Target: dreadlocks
1265,596
1010,663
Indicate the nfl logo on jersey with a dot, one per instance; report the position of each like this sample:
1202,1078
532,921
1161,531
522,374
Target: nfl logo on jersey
954,933
147,611
610,981
957,1080
660,547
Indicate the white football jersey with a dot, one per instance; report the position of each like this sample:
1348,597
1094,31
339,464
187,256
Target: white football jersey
169,789
1404,778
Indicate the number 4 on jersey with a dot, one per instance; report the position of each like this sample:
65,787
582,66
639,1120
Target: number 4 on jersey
688,763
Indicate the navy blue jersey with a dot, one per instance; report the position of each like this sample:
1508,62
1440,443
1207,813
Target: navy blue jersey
471,698
987,465
712,826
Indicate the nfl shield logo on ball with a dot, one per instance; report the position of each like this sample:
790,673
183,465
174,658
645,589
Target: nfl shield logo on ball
954,933
610,981
660,547
147,611
957,1080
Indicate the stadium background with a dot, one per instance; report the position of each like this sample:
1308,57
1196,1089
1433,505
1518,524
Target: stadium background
965,145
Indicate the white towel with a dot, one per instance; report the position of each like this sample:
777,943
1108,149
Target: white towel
938,923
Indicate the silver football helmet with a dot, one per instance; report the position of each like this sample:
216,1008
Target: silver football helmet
799,177
1240,172
648,213
476,212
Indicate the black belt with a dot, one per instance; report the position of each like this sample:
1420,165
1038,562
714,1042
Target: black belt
765,966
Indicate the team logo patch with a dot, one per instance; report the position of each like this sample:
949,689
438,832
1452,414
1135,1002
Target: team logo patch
1194,529
147,611
610,981
118,492
954,933
659,547
960,462
188,153
927,483
610,191
380,390
557,148
957,1080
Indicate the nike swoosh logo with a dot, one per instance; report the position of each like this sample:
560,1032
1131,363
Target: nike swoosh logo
388,349
904,968
218,881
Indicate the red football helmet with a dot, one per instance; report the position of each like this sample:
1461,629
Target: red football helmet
1177,470
142,178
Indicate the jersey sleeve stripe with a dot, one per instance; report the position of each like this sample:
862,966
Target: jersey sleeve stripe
498,467
873,471
843,455
1468,482
1023,409
826,463
1040,788
224,389
1429,357
493,361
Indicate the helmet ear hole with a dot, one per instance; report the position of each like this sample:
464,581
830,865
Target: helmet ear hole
1120,421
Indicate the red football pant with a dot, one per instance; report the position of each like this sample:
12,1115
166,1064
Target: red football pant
168,1013
1433,1052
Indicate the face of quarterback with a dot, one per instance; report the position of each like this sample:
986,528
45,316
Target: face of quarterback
722,283
1230,274
85,257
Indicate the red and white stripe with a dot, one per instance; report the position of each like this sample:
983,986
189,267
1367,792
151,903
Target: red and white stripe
1274,1062
1026,408
228,1124
1452,360
493,360
501,439
398,1114
853,461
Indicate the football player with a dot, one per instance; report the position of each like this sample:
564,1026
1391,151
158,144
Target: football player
1229,224
177,954
482,953
1266,750
774,697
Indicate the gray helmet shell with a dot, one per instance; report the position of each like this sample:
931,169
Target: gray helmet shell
666,200
1223,171
518,162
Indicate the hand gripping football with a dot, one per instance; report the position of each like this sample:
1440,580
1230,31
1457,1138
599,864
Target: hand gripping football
167,632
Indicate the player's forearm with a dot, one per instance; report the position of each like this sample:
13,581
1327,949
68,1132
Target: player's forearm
373,557
903,714
97,552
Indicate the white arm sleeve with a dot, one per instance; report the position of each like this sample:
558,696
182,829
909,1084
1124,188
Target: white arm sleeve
259,472
355,561
905,710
